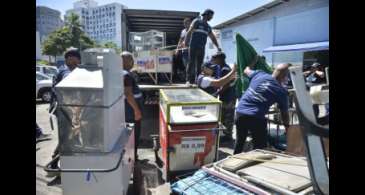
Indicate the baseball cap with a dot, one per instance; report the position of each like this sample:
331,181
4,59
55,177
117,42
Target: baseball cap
219,54
73,53
207,11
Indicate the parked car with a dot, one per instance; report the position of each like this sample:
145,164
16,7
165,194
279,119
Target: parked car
43,87
47,70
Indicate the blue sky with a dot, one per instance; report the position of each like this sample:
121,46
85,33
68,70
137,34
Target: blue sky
224,9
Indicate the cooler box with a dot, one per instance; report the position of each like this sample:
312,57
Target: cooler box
189,128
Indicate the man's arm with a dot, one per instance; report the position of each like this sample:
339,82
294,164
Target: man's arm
214,40
179,45
224,80
306,73
249,69
131,101
320,73
188,33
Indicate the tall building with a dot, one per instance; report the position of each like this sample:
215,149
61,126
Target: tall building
48,20
101,23
38,46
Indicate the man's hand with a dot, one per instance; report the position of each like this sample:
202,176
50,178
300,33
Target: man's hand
234,76
219,49
137,115
234,68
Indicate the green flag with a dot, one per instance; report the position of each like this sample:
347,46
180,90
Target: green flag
245,56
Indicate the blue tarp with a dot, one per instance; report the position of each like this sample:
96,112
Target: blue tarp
203,183
299,47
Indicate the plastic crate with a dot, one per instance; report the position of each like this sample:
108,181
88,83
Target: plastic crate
203,183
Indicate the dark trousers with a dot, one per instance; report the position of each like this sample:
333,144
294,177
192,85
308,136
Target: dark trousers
129,115
196,57
228,109
257,127
185,57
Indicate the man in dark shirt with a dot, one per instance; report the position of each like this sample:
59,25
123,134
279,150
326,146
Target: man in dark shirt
264,90
134,98
227,94
196,38
72,60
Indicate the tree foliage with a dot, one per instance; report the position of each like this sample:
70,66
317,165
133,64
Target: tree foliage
71,35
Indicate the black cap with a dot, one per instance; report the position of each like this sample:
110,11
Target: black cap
219,54
72,53
207,11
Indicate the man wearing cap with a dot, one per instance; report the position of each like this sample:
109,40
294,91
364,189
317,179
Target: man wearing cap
207,81
227,94
264,90
72,60
315,75
196,38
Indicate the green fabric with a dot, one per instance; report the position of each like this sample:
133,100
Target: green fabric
245,55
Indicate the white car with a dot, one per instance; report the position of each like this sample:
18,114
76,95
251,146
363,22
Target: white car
47,70
43,87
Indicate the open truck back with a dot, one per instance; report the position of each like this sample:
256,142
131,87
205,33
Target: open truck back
171,24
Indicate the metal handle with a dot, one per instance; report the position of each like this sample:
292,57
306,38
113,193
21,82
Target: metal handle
49,169
221,127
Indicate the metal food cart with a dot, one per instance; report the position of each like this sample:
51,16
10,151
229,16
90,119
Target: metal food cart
189,129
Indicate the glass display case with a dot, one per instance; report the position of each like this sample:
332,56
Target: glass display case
189,106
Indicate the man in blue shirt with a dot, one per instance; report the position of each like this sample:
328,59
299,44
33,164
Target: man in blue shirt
211,84
72,60
227,94
264,90
196,38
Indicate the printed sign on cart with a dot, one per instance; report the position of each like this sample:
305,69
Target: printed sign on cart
193,144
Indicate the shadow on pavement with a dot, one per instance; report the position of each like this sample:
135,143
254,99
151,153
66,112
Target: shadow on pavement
40,102
42,140
55,181
146,176
222,154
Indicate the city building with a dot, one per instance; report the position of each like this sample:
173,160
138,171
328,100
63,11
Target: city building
38,52
295,31
101,23
47,21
